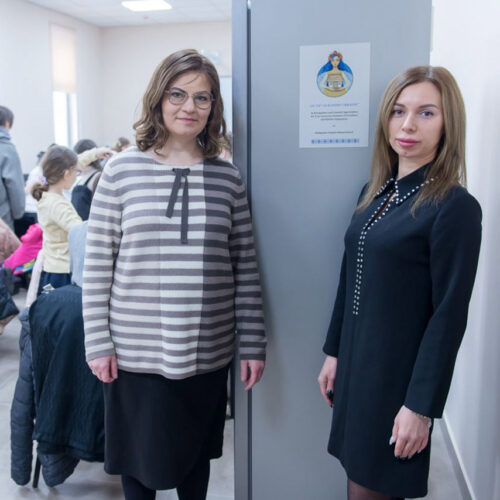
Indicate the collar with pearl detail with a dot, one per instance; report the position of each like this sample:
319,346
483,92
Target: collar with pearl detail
394,192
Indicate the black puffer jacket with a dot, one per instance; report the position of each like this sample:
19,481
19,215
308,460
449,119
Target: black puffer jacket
55,468
56,385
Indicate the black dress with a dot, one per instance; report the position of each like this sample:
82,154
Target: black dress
397,324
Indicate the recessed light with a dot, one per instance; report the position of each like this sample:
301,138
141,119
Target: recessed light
146,5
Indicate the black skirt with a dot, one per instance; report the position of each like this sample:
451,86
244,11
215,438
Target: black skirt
156,429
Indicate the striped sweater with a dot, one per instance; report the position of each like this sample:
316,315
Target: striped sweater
162,305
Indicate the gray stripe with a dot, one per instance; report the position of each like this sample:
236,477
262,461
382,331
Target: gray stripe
224,332
114,322
209,361
178,353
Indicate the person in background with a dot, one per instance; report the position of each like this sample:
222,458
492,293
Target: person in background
411,253
56,214
170,276
12,198
83,190
121,144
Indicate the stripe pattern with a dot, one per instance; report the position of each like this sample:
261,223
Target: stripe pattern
162,306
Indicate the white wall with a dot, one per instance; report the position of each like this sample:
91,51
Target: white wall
466,39
114,66
25,81
129,56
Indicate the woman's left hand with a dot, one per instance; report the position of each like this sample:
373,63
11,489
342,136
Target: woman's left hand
251,371
410,433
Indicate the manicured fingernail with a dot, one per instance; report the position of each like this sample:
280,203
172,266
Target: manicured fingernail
391,441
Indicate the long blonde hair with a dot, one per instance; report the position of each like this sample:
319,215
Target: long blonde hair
448,168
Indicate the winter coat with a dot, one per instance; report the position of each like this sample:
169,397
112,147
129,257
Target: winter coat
55,468
69,424
68,398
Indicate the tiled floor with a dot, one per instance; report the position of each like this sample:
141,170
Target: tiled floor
90,482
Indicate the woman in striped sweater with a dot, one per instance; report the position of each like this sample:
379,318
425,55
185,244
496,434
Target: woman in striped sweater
170,276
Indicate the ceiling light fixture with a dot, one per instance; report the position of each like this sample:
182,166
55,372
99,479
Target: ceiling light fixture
146,5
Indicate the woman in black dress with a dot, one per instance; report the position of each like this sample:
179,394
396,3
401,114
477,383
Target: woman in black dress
409,265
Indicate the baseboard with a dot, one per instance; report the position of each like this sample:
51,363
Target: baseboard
457,464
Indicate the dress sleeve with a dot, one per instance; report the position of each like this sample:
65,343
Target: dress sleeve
248,297
103,242
331,346
454,250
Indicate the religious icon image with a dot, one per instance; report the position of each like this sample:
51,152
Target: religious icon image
335,77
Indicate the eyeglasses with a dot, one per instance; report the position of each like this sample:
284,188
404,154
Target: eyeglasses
202,100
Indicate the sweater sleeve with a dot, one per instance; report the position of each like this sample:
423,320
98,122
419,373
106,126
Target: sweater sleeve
87,157
103,241
64,214
248,297
13,179
454,250
331,346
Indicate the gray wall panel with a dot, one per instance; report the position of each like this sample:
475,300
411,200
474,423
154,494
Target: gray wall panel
241,157
302,201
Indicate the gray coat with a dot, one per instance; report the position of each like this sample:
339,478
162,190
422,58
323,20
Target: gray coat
12,196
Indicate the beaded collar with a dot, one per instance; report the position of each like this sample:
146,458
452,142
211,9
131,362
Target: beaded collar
402,189
406,186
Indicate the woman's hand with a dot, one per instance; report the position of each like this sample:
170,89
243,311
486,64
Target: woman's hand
326,379
251,371
105,368
410,433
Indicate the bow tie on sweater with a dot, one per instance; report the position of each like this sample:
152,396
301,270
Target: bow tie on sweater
179,174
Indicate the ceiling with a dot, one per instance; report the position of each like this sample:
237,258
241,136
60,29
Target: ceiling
111,13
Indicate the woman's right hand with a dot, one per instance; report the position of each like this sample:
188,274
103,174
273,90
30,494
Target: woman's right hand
105,368
326,379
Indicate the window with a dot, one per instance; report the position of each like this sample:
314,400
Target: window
63,51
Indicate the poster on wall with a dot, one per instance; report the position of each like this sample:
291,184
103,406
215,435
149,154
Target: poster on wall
334,95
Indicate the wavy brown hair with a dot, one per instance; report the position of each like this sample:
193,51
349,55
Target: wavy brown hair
150,129
448,168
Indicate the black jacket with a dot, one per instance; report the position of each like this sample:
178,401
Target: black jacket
55,468
56,385
68,398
